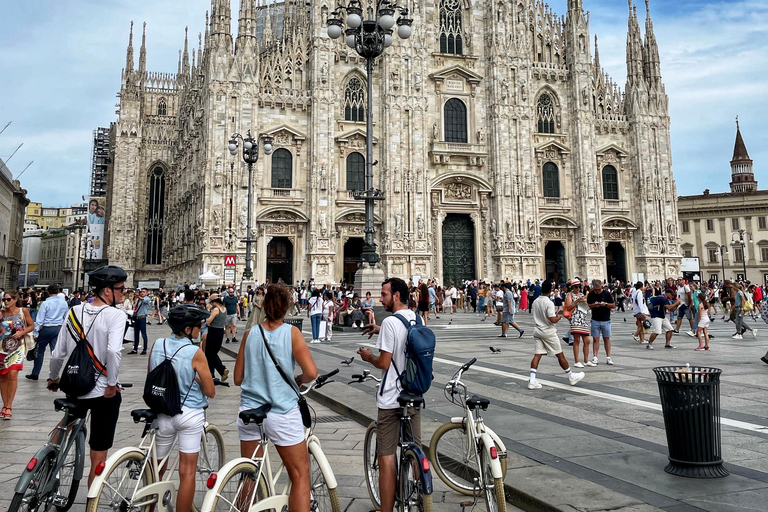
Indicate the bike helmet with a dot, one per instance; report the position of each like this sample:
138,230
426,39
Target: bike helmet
106,276
186,315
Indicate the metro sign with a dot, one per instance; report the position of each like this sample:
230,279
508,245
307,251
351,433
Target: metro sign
229,260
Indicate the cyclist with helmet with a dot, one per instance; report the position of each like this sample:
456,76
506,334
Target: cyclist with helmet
195,387
104,326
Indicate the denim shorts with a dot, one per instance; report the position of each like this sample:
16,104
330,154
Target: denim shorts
684,311
598,329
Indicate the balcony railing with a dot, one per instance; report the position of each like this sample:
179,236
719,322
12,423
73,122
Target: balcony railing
281,195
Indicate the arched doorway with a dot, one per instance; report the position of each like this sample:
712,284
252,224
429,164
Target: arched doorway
458,248
616,261
554,260
353,249
280,260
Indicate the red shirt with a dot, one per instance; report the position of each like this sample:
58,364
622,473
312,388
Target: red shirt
758,295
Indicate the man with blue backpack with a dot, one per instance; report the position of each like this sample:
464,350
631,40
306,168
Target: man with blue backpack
406,349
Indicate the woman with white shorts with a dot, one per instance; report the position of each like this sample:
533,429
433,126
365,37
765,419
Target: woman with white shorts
195,387
261,384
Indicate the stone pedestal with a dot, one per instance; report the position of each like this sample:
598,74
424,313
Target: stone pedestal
244,286
369,279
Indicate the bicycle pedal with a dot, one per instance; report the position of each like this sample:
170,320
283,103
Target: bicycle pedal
467,504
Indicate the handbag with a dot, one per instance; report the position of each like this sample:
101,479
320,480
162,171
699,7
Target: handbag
306,416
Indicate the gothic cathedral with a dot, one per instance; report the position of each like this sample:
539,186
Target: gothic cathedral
502,147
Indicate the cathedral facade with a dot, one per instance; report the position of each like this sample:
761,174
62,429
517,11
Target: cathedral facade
503,149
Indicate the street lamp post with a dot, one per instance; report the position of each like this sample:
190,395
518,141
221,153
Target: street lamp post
741,234
369,37
78,245
250,157
722,259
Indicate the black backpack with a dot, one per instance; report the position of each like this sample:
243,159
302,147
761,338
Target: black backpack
83,368
161,389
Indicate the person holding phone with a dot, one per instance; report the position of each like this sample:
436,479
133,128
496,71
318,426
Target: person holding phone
601,302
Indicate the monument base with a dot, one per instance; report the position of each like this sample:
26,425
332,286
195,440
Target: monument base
369,279
244,284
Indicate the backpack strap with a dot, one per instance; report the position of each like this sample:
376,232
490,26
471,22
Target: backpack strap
165,356
407,325
75,328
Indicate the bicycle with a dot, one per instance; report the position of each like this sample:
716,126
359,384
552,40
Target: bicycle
130,479
249,484
52,476
413,491
467,448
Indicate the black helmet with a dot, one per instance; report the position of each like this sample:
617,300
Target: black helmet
186,315
106,276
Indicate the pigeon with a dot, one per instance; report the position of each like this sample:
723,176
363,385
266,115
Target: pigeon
348,361
625,319
495,350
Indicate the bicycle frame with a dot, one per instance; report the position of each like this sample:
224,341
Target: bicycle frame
425,476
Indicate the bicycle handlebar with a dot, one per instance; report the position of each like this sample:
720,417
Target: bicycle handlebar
322,380
366,375
466,365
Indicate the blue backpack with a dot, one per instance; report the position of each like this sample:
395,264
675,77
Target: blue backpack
417,376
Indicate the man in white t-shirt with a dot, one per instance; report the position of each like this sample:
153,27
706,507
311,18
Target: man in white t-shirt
686,306
391,344
639,310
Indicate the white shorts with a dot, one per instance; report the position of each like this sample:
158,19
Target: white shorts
660,325
282,429
188,426
546,342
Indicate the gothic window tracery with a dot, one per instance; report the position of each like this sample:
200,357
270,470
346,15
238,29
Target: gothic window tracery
282,169
354,100
610,183
545,114
550,179
154,252
451,27
455,116
161,107
355,171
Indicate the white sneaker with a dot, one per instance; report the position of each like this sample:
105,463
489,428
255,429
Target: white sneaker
534,384
754,333
575,378
579,365
315,341
649,346
636,338
691,334
594,360
590,363
609,361
737,337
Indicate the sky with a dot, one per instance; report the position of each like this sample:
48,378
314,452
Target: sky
60,65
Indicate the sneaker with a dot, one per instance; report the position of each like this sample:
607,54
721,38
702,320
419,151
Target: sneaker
649,346
754,333
502,336
575,378
636,338
594,360
676,331
521,333
149,323
590,363
578,365
143,352
691,334
227,341
315,341
669,346
31,377
225,375
609,361
534,384
737,337
234,340
699,348
132,352
764,359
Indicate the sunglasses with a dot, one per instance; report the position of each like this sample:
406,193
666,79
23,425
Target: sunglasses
7,300
119,288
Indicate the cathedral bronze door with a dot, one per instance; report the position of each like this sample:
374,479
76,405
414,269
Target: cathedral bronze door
458,248
280,261
616,262
554,259
353,249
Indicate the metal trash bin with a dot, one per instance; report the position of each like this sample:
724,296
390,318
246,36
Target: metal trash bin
690,401
298,322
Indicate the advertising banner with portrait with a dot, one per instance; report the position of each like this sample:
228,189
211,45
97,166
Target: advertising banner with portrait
97,216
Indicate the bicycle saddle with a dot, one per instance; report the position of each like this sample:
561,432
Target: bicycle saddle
406,398
475,401
62,403
256,416
144,415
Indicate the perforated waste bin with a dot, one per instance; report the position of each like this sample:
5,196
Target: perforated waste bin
298,322
690,401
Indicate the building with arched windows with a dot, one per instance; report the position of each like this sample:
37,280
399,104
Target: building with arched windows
503,149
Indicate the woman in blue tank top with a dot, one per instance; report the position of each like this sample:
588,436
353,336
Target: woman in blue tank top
195,387
262,384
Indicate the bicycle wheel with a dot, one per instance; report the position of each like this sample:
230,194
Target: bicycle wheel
31,499
210,459
493,488
412,499
454,460
68,485
122,479
371,465
324,499
236,491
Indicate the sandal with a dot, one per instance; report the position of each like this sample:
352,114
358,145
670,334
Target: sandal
6,415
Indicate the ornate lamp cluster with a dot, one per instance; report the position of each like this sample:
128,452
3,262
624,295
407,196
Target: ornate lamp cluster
370,36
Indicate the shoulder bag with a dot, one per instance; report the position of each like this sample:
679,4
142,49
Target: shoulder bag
306,416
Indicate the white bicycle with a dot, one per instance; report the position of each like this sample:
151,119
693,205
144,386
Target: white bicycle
466,454
250,484
130,479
